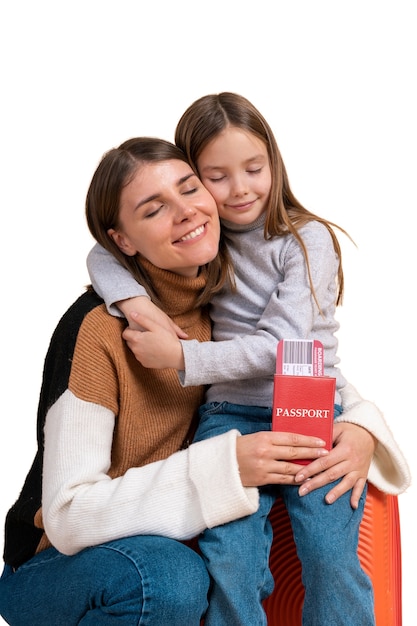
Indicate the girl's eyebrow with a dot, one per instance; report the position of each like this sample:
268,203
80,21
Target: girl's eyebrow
256,157
155,196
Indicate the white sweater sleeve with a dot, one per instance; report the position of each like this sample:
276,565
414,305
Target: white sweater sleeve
389,469
111,280
177,497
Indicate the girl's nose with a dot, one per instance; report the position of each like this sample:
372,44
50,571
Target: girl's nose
239,186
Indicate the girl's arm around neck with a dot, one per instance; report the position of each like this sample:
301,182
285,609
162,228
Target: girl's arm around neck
111,280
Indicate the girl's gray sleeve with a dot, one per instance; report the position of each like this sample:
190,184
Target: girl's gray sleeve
290,313
111,280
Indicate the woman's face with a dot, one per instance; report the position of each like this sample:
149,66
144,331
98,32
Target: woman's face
234,166
168,216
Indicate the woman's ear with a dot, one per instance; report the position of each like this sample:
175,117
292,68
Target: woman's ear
122,242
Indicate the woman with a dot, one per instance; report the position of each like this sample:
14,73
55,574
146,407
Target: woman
95,536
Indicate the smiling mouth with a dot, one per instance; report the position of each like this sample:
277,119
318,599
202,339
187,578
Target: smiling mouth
240,207
193,234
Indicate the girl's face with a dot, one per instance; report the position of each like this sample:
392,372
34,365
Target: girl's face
235,168
167,216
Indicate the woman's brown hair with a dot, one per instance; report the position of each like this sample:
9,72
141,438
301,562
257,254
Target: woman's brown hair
115,170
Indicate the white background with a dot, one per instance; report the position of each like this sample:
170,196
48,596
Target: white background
337,82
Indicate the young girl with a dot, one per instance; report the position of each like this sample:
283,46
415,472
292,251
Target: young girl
288,281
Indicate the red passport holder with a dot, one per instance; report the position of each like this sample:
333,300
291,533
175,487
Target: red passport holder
305,405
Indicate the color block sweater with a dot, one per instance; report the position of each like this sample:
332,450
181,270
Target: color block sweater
110,434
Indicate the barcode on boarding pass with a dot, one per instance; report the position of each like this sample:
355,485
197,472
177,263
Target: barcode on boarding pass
300,357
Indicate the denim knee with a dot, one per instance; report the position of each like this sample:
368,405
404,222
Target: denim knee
172,579
146,579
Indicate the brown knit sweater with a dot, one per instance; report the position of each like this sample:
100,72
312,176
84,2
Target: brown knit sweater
88,357
154,412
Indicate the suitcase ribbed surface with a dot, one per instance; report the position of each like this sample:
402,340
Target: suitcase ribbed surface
379,552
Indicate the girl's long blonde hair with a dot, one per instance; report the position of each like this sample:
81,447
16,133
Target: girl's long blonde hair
211,114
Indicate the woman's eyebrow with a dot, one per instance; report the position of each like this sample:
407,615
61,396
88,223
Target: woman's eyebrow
155,196
146,200
184,179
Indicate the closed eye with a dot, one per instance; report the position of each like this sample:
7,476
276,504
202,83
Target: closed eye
153,212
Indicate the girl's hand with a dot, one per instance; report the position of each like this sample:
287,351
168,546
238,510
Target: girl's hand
271,457
156,346
142,305
349,459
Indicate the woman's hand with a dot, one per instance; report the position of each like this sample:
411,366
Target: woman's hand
349,459
271,457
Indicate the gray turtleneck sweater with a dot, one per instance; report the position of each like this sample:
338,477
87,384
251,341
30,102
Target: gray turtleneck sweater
273,301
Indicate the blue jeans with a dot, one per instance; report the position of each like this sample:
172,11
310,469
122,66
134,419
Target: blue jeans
337,590
146,580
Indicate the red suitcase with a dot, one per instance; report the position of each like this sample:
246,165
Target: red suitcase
379,552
